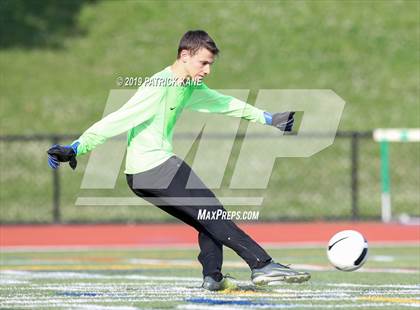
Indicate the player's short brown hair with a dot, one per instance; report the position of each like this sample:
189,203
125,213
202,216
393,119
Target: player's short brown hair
194,40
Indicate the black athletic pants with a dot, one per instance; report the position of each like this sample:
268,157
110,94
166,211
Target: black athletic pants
177,190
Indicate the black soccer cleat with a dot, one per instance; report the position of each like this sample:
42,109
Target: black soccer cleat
212,285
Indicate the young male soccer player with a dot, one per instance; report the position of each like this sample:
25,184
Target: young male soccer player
154,173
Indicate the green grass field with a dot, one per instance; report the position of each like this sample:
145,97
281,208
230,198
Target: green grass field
169,278
366,51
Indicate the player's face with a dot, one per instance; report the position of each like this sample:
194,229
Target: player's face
198,65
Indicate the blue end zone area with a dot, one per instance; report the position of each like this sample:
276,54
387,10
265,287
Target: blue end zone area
212,301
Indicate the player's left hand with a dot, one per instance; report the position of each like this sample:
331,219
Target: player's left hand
283,121
62,153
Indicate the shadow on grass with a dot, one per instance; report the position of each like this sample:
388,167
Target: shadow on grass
39,23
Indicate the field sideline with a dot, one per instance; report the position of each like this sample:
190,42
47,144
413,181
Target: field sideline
155,267
313,233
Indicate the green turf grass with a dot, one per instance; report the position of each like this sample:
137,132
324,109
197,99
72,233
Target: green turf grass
169,278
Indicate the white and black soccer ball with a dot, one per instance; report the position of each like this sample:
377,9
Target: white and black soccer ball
347,250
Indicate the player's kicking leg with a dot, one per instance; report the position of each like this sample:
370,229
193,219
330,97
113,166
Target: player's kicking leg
171,197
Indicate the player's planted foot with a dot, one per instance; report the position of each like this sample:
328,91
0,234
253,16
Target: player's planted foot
212,285
274,272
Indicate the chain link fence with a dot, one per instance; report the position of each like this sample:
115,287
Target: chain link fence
341,182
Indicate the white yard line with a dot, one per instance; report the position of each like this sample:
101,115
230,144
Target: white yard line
240,264
141,288
357,285
27,275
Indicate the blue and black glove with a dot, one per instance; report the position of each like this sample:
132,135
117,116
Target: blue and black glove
62,153
283,121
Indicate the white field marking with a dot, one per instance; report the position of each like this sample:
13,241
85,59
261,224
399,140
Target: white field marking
154,280
98,307
290,295
111,295
188,246
62,305
336,294
361,270
169,296
284,290
53,302
29,261
402,292
28,275
382,258
319,291
178,262
389,270
106,298
239,264
153,290
134,261
36,300
11,281
233,264
117,293
414,286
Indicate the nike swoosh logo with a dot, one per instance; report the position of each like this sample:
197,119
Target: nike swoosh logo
172,108
330,247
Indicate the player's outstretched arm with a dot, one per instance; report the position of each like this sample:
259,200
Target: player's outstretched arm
208,100
140,108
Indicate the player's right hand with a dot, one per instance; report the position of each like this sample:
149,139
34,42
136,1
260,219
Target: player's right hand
283,121
62,153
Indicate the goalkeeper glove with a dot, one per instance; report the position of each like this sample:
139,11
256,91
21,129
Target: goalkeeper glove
283,121
58,153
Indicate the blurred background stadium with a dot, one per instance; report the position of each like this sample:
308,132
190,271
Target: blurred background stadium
59,59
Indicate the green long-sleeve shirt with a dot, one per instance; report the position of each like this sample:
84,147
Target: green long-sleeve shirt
150,116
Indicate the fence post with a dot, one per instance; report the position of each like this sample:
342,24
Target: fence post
56,189
385,182
354,175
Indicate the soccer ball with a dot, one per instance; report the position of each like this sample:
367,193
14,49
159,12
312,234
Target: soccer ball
347,250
